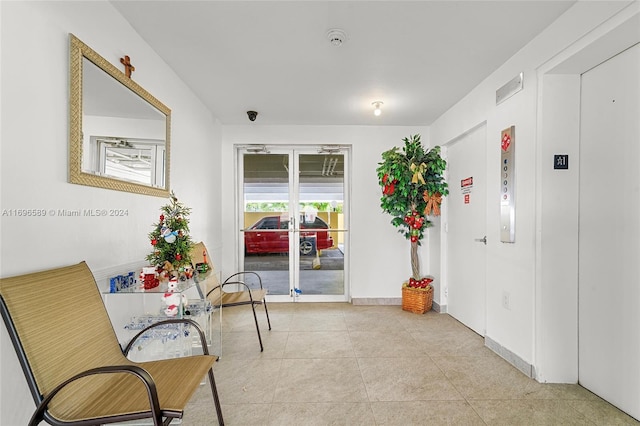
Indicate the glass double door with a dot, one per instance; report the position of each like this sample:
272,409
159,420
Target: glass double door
293,222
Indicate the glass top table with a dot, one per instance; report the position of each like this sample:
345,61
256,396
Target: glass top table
132,308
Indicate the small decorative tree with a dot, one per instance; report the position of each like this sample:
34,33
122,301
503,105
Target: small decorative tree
412,188
170,238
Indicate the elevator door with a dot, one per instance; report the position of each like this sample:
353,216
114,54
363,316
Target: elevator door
609,233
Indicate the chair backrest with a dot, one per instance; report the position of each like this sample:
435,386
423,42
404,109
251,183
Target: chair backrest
61,323
199,254
209,280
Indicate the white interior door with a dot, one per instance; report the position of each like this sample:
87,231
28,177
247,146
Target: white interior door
609,235
466,226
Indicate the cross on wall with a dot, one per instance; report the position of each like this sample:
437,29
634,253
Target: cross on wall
128,68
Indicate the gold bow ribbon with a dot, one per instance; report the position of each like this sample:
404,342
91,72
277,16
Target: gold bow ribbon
433,203
417,172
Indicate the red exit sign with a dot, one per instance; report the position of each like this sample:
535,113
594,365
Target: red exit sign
466,182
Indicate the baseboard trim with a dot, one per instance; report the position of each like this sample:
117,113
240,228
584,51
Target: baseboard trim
380,301
441,309
513,359
391,301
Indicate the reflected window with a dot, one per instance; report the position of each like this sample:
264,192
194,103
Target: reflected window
135,160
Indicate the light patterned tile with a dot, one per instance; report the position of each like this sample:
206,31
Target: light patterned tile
200,410
405,379
429,321
425,413
320,380
375,344
329,308
318,344
240,318
341,364
561,391
602,413
324,413
246,345
247,380
317,322
451,342
487,377
368,320
236,414
528,412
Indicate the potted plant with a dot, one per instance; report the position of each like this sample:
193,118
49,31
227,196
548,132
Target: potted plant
412,189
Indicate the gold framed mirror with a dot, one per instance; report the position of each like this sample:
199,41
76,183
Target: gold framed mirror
119,134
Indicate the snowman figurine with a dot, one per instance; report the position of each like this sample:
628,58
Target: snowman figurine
169,235
171,303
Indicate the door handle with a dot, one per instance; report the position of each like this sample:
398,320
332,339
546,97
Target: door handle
482,240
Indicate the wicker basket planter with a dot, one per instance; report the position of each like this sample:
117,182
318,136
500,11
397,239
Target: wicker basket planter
417,300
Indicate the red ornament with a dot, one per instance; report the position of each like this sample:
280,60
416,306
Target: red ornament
161,218
178,256
389,189
154,242
389,185
421,283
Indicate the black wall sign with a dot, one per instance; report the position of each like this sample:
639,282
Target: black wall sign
561,162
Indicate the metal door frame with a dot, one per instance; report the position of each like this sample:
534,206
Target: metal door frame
293,152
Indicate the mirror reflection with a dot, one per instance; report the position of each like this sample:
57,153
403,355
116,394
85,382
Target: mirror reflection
123,135
119,133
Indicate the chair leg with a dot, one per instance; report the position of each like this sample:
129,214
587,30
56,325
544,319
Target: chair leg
264,302
255,318
216,398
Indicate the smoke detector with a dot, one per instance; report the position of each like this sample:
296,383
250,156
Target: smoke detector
336,36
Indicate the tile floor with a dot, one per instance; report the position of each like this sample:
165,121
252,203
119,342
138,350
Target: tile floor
338,364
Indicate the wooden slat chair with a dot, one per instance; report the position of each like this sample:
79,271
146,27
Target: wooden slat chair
75,368
216,293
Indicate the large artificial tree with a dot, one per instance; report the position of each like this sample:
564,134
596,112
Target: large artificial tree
413,185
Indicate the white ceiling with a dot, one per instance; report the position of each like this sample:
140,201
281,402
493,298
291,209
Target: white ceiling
418,57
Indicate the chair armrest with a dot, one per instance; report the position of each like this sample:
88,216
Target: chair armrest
211,291
248,289
218,300
203,339
139,372
244,273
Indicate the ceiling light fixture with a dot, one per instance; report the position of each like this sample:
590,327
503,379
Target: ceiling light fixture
336,36
377,108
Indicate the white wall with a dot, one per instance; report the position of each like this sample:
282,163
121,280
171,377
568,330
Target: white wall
558,225
380,256
539,325
34,165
